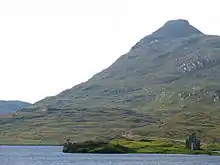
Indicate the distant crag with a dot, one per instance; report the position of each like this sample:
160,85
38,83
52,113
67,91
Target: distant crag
7,107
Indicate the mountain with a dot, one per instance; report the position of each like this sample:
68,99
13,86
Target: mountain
167,85
7,107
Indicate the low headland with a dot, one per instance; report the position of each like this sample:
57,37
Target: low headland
125,146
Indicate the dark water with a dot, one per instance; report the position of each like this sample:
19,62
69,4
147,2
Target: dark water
41,155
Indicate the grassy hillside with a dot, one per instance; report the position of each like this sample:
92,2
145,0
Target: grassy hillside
167,85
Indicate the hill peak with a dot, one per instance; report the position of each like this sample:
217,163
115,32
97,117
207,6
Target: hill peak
172,29
176,28
177,21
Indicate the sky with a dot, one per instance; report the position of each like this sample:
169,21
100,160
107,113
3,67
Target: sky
47,46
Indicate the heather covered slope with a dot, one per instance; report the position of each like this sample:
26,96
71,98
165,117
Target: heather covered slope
166,85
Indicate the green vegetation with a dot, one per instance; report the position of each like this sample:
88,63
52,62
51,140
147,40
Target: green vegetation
167,85
159,146
97,147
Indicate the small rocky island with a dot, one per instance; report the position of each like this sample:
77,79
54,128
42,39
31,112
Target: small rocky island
125,145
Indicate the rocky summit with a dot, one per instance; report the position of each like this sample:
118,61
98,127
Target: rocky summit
167,85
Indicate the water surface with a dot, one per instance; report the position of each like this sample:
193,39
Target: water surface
44,155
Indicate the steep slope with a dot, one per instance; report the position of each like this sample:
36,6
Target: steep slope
166,85
7,107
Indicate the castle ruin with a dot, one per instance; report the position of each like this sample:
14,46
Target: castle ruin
192,142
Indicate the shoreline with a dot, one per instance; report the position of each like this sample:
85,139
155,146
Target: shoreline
125,146
198,152
31,145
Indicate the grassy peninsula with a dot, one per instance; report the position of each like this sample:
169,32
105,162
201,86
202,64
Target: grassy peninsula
123,146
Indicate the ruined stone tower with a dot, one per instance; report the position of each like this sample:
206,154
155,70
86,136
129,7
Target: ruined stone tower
192,142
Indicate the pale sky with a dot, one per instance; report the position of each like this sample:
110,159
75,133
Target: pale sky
47,46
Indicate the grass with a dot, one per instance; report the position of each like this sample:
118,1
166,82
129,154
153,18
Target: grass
153,146
138,95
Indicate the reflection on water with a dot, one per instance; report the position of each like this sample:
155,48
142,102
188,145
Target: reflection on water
44,155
